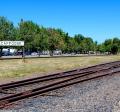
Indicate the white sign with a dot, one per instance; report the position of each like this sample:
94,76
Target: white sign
11,43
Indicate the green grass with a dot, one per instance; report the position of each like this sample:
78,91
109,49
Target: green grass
17,68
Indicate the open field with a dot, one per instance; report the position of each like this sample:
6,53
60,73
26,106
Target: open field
17,68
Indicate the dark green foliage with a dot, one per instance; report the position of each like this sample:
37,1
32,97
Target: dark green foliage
38,38
7,31
114,49
111,46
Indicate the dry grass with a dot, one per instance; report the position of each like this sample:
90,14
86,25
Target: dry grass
17,68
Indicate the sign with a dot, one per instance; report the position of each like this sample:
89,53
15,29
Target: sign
11,43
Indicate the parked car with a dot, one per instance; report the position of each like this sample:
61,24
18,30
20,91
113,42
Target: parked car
57,52
34,54
18,53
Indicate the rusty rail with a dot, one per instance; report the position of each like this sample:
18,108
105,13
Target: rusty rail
77,78
53,76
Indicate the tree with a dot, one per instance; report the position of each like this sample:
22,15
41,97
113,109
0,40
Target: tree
108,44
87,45
6,31
95,46
101,48
114,49
41,40
38,38
55,41
66,39
72,45
112,45
27,32
79,38
116,41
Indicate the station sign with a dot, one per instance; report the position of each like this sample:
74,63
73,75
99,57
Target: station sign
11,43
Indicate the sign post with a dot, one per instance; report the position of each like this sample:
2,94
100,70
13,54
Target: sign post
14,43
23,55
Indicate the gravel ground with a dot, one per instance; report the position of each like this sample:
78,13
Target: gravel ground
101,95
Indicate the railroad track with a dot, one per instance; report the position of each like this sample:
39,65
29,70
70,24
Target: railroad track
56,75
72,77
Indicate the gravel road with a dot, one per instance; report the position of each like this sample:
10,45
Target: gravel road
100,95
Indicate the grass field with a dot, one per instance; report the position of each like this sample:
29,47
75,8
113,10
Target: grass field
17,68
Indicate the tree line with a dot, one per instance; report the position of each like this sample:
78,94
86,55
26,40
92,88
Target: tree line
38,38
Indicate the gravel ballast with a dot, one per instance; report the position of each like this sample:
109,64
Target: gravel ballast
98,95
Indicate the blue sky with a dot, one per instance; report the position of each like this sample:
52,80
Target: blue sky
99,19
